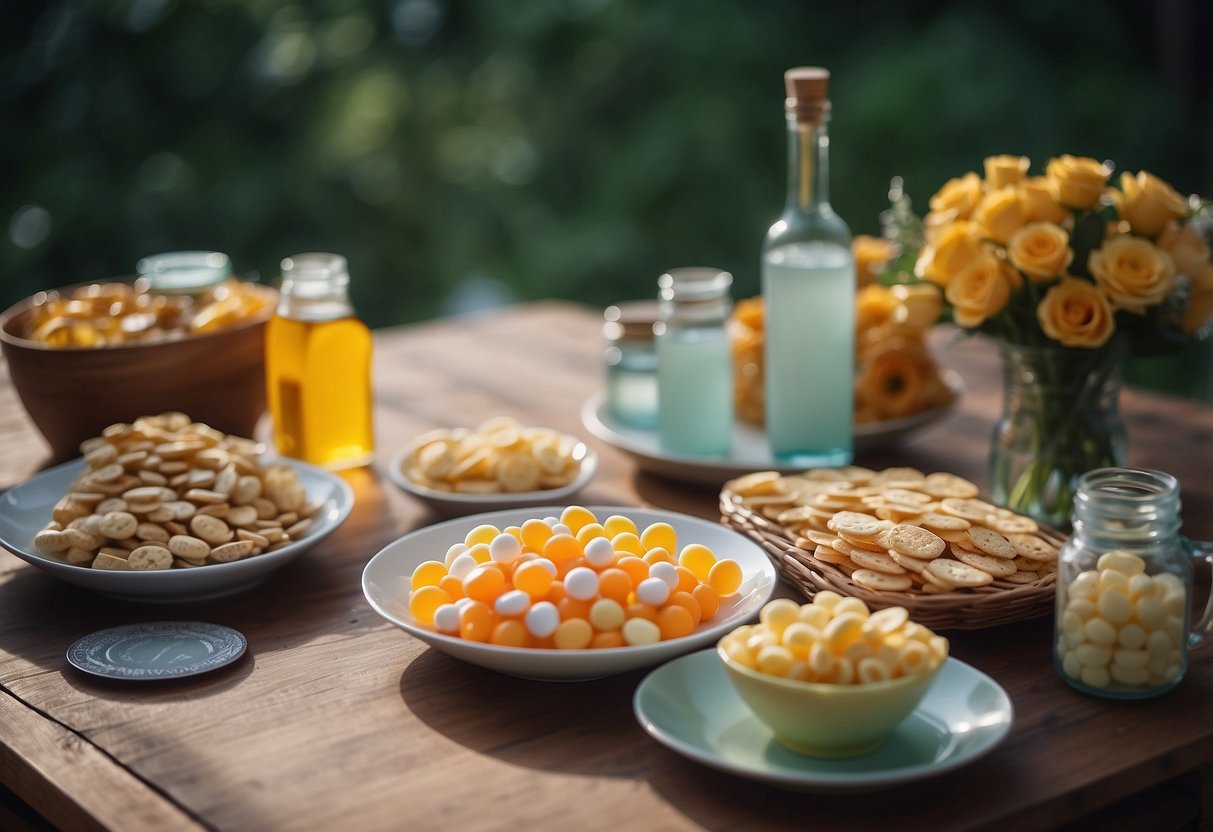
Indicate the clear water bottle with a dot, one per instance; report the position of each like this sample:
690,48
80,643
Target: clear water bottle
808,290
694,363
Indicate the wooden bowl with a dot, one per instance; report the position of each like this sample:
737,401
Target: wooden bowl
72,394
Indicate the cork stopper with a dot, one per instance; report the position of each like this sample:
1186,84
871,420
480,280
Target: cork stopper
808,90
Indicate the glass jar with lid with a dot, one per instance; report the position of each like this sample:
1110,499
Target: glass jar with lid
1124,587
631,363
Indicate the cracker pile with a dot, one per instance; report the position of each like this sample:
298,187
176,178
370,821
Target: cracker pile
165,492
500,455
902,530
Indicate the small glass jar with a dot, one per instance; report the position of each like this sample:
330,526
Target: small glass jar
631,364
694,363
1123,623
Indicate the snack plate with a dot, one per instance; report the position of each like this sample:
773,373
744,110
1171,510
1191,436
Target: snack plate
386,582
690,706
750,450
26,508
450,502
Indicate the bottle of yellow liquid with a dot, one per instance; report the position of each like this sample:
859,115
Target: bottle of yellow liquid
318,366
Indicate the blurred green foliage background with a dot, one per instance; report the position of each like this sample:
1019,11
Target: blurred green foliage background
467,153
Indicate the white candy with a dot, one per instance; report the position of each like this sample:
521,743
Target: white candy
455,551
446,619
542,619
641,631
599,552
582,583
667,572
462,565
561,528
505,548
547,564
512,603
652,591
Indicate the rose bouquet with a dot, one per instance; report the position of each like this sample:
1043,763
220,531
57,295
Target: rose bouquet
1070,275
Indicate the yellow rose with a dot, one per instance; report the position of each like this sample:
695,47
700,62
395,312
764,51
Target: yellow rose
1038,202
1077,182
952,249
871,254
1000,214
1148,203
980,290
874,305
1189,251
1133,272
1005,170
1040,250
1075,313
1199,312
958,197
921,304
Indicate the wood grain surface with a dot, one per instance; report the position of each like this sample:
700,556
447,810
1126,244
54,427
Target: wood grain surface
335,719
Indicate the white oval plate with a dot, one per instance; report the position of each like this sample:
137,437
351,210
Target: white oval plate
750,451
450,502
690,706
25,509
386,583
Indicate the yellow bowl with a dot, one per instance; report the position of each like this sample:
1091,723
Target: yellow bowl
827,720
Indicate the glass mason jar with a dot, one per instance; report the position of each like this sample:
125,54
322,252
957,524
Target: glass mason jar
1060,419
1123,624
694,363
631,364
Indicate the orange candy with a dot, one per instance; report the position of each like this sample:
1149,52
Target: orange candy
476,622
615,584
636,568
424,601
686,580
561,547
509,633
687,601
725,577
484,584
675,622
534,579
709,600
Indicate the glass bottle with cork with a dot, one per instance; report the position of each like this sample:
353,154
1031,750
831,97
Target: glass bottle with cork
808,290
694,363
318,366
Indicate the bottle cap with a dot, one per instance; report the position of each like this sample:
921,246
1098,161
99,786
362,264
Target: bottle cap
316,265
184,272
631,320
808,91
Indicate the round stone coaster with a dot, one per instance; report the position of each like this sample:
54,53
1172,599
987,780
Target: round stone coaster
157,650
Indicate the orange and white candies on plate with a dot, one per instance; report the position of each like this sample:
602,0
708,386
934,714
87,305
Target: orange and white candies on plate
569,592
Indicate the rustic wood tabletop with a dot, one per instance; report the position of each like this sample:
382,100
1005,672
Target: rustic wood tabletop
335,719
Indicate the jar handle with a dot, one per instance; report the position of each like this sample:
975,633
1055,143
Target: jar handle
1202,629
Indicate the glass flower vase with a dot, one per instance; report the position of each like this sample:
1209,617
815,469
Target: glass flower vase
1060,419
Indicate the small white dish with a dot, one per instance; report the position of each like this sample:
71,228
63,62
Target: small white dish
157,650
750,451
451,502
386,583
689,706
26,508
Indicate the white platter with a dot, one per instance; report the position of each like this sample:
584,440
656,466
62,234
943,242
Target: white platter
690,706
750,451
385,582
450,502
26,508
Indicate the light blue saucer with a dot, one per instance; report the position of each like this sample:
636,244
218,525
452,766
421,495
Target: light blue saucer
689,705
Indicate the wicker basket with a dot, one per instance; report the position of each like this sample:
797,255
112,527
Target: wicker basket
966,609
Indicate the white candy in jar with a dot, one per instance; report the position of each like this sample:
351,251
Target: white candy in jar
1122,627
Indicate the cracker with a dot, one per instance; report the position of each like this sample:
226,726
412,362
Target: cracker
881,581
856,524
1033,548
914,541
956,574
998,567
876,562
992,543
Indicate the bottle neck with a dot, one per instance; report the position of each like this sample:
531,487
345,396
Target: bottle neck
808,164
314,300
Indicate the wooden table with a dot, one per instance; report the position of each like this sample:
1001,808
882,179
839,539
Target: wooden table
337,720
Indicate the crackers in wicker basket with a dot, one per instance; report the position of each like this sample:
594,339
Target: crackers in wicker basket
899,537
